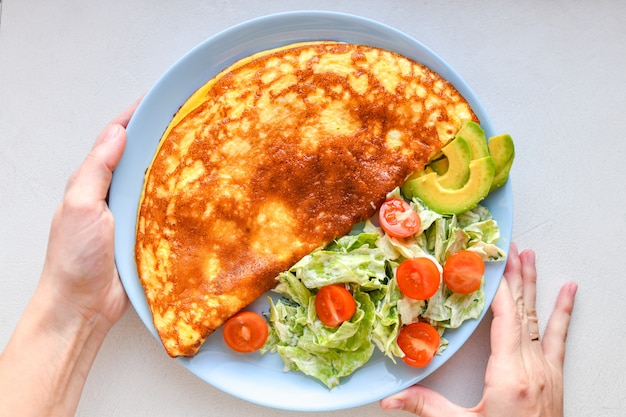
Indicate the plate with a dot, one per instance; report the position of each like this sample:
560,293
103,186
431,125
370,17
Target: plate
255,378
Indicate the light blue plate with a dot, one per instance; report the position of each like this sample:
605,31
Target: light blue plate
255,378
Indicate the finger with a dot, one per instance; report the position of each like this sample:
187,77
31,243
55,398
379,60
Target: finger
422,402
505,326
92,179
513,276
529,278
556,331
122,119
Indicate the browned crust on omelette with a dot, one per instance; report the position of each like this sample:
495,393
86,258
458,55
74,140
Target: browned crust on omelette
284,153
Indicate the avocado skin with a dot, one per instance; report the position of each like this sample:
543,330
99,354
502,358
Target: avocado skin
502,150
453,201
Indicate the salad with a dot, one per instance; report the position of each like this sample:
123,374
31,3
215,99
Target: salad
395,284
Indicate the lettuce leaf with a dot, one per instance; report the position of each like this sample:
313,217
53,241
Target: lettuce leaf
306,345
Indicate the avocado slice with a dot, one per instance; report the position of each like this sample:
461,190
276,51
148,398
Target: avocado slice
459,154
475,137
501,177
451,164
502,151
452,168
453,201
440,166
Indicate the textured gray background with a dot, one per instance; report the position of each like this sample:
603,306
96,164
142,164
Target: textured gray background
549,73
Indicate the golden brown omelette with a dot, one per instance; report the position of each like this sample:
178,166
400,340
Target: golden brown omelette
277,155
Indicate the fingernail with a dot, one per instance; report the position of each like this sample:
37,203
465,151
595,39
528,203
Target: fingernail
112,132
573,288
531,256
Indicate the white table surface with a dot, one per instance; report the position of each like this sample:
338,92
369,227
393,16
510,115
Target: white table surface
552,74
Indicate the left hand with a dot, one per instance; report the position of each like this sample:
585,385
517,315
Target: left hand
79,265
524,375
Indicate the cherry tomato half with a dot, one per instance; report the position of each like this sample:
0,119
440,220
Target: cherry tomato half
418,278
419,341
463,271
245,332
334,305
398,219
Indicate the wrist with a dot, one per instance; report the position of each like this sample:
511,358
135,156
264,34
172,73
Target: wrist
74,306
50,353
72,322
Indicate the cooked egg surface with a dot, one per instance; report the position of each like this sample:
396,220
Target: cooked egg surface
277,155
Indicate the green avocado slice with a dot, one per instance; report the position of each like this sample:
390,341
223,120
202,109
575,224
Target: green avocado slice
453,201
440,166
459,156
502,151
475,137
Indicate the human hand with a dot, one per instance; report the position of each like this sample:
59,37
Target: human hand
79,265
524,375
79,297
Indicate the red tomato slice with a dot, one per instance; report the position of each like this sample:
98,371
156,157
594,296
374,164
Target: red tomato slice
418,278
463,271
245,332
398,219
419,342
334,305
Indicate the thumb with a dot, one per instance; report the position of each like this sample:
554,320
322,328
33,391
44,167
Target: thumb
109,146
422,402
92,179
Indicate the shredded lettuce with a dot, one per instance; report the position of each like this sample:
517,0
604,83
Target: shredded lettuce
365,262
327,354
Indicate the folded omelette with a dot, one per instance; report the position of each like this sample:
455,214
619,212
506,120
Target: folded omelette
275,156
